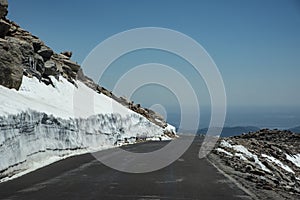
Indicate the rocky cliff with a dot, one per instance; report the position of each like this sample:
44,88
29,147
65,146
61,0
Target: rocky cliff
266,162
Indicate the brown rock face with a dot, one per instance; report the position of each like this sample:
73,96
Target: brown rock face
3,8
74,66
11,72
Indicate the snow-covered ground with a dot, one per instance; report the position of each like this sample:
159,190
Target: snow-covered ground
295,159
41,124
266,162
63,101
278,162
245,153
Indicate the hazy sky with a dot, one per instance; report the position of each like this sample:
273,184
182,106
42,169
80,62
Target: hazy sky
255,43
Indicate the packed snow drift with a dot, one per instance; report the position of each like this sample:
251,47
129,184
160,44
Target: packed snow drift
40,124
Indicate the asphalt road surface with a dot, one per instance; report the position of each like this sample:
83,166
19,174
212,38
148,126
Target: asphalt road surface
83,177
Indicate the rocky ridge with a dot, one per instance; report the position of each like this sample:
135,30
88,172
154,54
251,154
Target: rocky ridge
266,162
23,54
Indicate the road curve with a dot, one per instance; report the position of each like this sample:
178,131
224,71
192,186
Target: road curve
83,177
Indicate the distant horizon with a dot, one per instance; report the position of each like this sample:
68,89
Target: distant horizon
255,44
272,117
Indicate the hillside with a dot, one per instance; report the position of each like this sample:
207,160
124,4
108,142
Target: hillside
266,162
44,114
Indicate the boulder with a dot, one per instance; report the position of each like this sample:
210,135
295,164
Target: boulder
73,66
11,72
25,48
50,68
3,8
45,52
4,28
37,44
67,53
62,57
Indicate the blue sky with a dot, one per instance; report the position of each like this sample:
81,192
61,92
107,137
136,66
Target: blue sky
255,43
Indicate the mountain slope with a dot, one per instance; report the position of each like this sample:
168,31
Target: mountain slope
50,110
266,162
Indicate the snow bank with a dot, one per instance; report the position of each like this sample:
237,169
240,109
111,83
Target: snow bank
41,124
63,101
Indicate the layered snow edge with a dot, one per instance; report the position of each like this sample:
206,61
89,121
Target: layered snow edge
41,124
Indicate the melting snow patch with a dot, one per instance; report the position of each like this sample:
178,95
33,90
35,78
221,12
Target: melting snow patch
278,162
295,159
225,144
224,151
244,151
240,156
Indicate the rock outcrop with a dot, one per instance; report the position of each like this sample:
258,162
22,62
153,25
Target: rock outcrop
3,8
267,162
11,72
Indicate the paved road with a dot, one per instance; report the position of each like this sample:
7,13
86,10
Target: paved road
83,177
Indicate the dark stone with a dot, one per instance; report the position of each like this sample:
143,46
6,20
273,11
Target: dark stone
45,52
249,168
67,53
4,28
37,44
47,81
3,8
